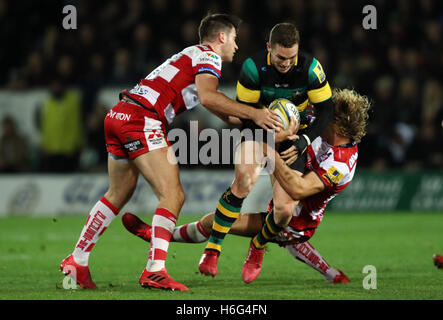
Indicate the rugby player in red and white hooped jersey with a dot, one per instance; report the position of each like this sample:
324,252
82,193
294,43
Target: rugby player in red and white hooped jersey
331,161
136,140
330,166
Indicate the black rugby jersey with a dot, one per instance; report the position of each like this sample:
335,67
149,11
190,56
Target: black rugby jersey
260,83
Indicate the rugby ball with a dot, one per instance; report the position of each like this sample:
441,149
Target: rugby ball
284,109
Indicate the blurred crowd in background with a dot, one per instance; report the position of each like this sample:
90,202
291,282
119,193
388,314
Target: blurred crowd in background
399,66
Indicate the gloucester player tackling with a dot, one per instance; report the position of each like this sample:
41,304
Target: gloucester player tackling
331,162
136,140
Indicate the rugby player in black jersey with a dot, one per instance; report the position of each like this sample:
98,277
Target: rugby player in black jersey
281,71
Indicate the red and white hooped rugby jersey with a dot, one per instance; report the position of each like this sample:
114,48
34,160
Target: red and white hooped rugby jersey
335,166
170,89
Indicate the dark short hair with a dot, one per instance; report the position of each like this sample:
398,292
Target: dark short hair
284,34
214,23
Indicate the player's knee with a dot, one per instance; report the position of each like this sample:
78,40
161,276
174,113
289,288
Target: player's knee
207,221
282,215
243,184
181,196
174,195
119,197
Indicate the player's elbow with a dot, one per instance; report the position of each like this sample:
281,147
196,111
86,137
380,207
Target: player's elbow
291,183
296,191
296,194
305,190
203,99
206,99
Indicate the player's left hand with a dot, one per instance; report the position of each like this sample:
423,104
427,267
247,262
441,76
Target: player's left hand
289,155
288,134
266,119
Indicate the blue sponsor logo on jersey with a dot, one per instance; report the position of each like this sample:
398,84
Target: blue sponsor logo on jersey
210,70
318,70
211,55
333,175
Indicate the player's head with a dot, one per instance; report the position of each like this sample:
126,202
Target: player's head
283,45
220,28
351,113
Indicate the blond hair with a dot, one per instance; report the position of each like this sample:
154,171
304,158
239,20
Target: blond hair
351,113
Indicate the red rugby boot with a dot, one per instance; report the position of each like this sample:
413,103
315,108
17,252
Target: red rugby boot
253,263
81,273
438,261
340,278
136,226
161,280
208,263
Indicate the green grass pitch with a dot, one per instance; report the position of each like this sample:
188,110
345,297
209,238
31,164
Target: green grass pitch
399,245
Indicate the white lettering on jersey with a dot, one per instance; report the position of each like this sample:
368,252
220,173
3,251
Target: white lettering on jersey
147,92
154,134
118,115
208,61
352,160
208,57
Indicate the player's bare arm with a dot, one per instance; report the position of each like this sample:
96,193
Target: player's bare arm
216,101
234,121
297,186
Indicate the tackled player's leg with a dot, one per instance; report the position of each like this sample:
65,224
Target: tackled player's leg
276,220
247,225
249,163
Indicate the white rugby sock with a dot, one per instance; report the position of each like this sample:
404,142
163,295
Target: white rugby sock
99,218
306,253
163,224
190,232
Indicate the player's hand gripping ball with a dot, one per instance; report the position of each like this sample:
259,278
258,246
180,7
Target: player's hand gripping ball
285,109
